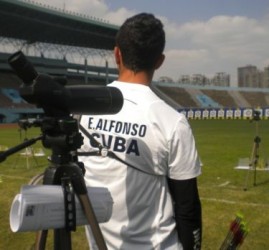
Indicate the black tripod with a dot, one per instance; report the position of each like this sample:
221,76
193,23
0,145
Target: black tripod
60,134
255,154
63,138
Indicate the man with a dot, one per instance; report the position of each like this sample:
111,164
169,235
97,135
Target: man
152,176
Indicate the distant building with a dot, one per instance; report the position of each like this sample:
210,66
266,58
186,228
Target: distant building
249,76
185,79
166,79
265,78
199,79
221,79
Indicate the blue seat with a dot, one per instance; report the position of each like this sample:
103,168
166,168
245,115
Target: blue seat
207,102
12,94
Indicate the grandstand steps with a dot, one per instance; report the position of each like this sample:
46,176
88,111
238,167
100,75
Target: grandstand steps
9,80
256,99
180,96
165,97
222,97
193,93
239,99
267,98
4,101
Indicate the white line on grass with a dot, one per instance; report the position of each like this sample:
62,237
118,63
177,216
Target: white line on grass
224,184
15,177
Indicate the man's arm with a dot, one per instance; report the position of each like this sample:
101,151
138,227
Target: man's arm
188,212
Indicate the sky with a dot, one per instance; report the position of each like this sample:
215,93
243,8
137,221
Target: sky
202,36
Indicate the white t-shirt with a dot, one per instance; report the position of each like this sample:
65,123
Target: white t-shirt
151,136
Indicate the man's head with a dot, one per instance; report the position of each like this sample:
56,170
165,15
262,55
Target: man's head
141,41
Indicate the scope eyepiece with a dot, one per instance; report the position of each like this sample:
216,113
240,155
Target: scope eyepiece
22,67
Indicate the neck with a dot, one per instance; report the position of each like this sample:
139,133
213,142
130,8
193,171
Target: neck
129,76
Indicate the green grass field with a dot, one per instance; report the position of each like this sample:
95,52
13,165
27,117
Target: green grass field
221,143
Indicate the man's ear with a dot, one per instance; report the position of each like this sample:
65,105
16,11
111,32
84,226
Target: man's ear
117,55
160,61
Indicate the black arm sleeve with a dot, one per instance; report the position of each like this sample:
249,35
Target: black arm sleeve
188,212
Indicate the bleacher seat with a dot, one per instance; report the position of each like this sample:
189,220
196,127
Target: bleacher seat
12,94
207,102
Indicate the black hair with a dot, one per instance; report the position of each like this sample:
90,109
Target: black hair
141,40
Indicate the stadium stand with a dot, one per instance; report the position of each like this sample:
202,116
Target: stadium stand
207,102
21,24
165,97
4,101
258,99
228,97
239,100
12,94
223,102
12,106
223,98
179,95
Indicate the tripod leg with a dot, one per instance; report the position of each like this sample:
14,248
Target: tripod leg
79,186
35,159
251,164
89,213
255,162
62,239
16,161
41,238
246,180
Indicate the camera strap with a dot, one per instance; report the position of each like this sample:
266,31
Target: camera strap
103,151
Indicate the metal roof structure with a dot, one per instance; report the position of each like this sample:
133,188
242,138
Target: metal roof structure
35,23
